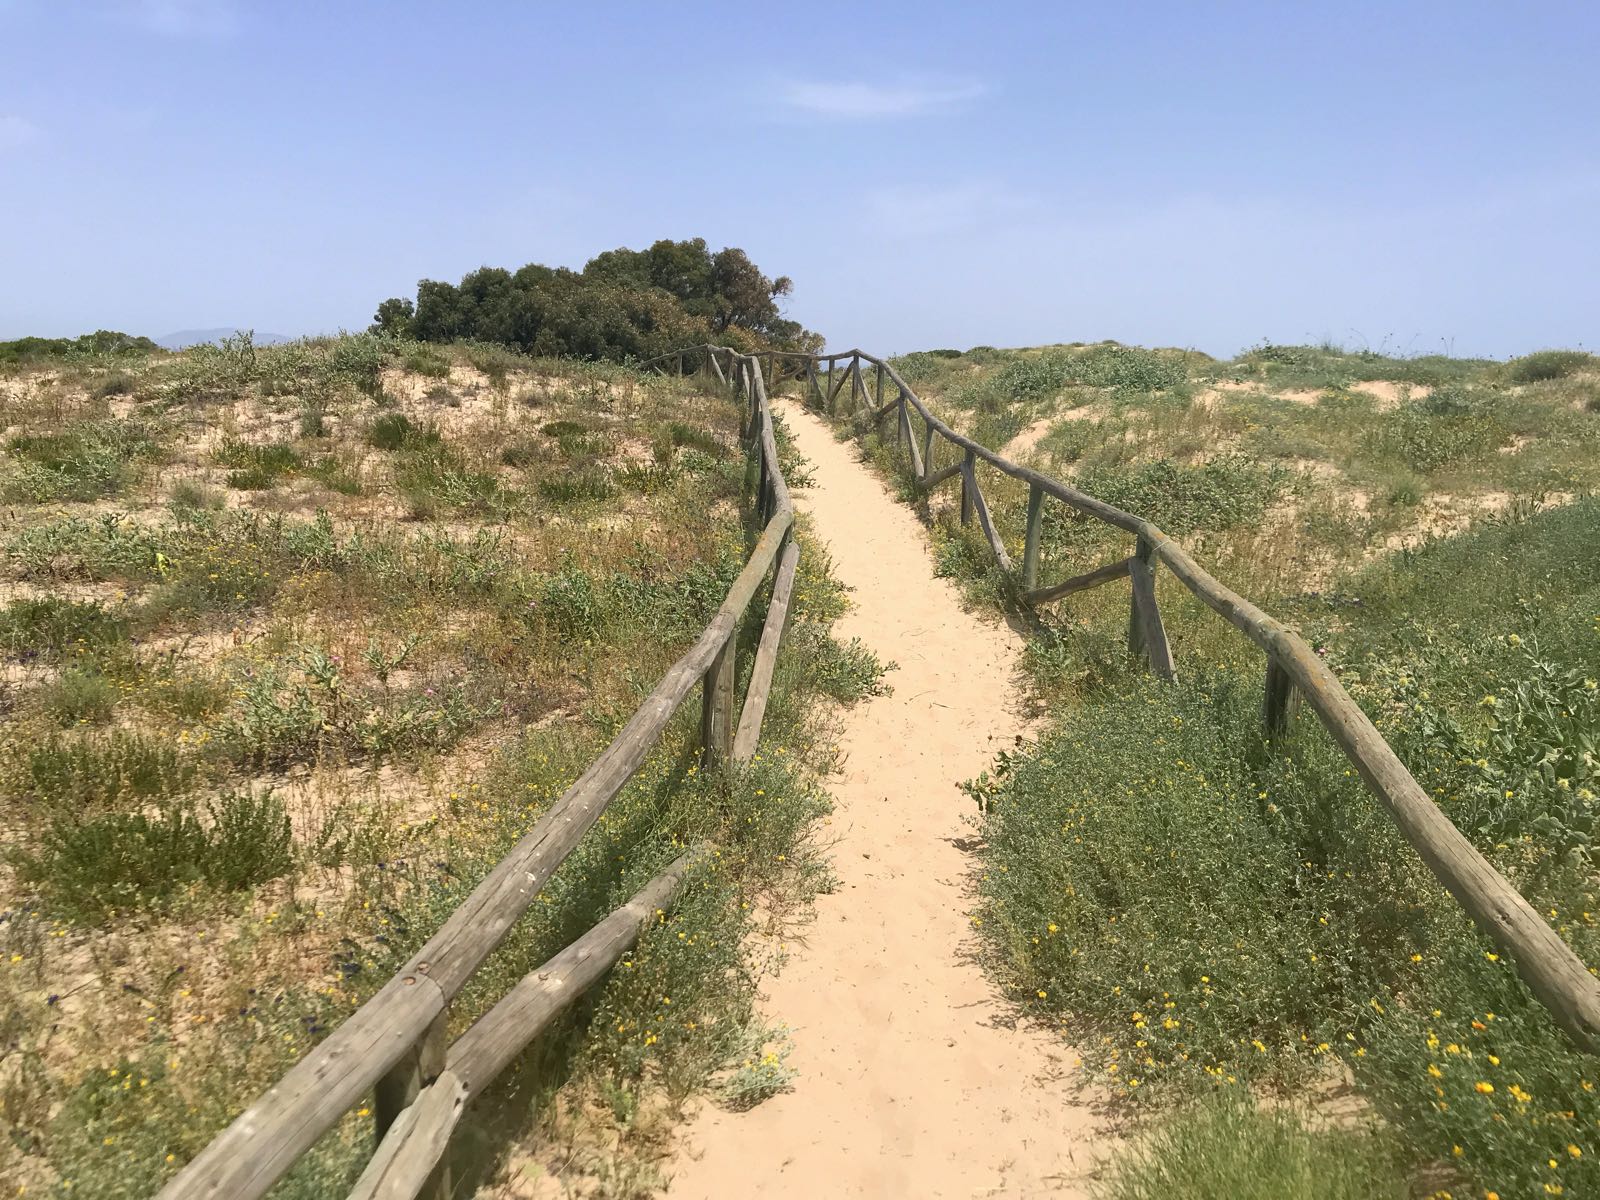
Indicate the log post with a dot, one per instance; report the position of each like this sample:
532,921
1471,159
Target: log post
1030,545
902,423
985,518
879,400
1147,637
917,469
827,401
968,465
1281,702
397,1090
927,450
716,706
680,364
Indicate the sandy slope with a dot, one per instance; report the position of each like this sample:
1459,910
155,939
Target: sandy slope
912,1081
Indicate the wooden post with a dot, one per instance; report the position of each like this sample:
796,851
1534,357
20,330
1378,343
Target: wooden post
1030,545
985,518
968,465
716,706
1147,637
902,423
763,483
827,402
1281,703
917,469
396,1091
927,450
760,687
420,1067
879,401
680,364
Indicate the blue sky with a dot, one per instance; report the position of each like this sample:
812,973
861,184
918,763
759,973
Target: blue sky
1409,176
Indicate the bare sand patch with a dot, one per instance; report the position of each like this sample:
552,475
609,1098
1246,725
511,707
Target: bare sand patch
1389,394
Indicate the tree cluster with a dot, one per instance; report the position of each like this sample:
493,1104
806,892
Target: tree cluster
623,304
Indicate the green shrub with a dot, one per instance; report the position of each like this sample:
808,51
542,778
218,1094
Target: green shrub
1026,379
335,475
106,547
79,696
87,774
520,454
257,466
426,362
50,625
1152,873
1446,428
390,431
101,343
843,671
496,362
1223,493
1230,1148
680,433
1130,367
94,865
84,462
1551,364
313,420
432,475
115,384
576,487
191,494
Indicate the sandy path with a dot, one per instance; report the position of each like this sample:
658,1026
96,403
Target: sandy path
911,1082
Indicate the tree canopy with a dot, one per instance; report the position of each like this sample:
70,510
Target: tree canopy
623,304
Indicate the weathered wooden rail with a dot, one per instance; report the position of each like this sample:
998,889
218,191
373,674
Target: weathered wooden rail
836,384
395,1046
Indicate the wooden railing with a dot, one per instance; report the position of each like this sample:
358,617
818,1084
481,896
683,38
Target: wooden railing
1555,975
395,1046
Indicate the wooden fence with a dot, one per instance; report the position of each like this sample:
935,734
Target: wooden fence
871,390
395,1045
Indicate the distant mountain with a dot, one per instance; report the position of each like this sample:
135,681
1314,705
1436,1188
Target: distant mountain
194,337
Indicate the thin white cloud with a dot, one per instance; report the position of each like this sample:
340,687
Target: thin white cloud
185,18
855,101
16,132
930,210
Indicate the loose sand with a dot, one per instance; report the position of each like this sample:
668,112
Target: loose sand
914,1079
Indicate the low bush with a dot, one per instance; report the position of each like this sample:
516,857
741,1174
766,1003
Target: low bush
89,774
575,487
88,866
1542,365
53,626
257,466
79,696
1220,494
393,430
87,461
1231,1148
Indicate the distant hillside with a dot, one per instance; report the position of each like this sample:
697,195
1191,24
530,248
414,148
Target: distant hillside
185,338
